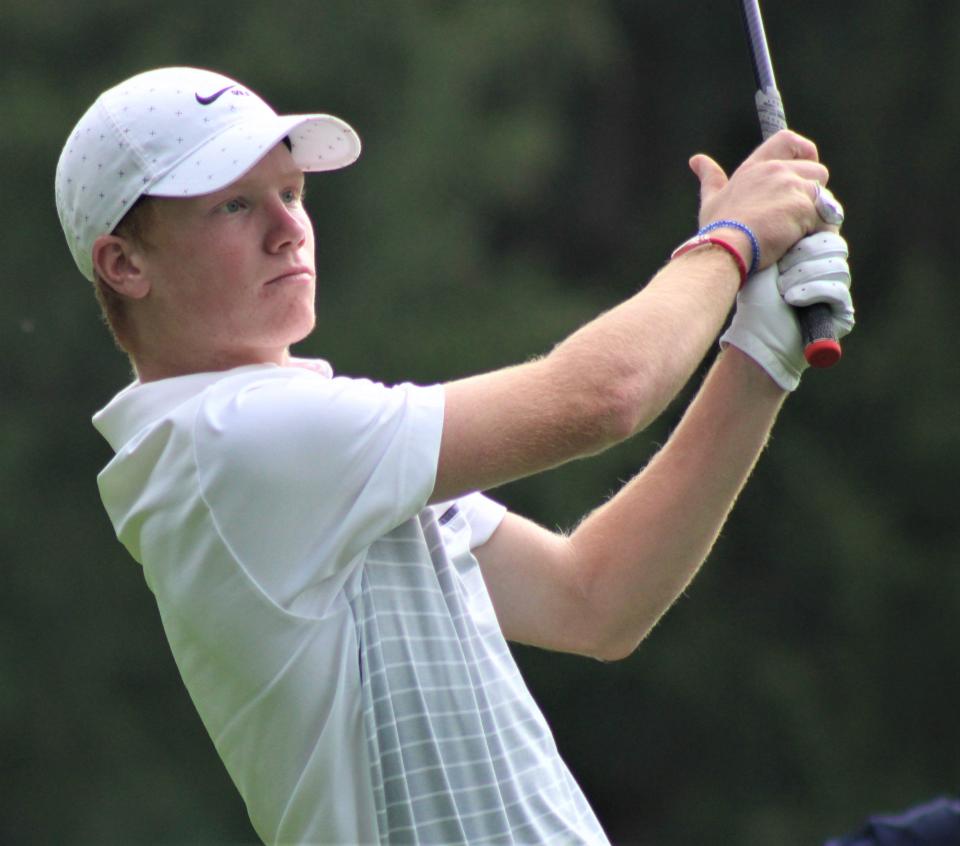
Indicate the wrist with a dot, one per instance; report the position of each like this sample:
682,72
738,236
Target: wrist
699,241
754,372
740,242
741,236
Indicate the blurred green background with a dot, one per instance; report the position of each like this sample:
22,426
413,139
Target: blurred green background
525,168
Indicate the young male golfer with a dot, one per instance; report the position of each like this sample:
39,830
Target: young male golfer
337,592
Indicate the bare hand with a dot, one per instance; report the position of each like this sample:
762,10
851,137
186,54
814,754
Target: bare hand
773,192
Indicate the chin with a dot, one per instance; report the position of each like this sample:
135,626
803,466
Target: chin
302,328
286,325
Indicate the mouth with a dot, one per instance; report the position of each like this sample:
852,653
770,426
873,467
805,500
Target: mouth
295,275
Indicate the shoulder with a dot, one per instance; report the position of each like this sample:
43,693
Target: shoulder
294,398
299,429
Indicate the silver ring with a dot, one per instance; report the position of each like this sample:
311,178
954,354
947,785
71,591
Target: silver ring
828,207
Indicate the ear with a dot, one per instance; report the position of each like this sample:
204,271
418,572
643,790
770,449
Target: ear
119,265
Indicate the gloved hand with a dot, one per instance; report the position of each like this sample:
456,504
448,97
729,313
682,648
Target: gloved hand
765,325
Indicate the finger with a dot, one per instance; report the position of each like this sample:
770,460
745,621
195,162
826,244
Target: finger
785,144
820,246
828,206
828,212
810,184
834,293
812,171
799,281
712,177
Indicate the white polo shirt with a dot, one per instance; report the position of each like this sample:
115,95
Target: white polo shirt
334,631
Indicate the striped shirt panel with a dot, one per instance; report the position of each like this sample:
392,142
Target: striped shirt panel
458,751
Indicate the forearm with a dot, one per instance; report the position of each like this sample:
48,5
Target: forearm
599,386
637,553
645,350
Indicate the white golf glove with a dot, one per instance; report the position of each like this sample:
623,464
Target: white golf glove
765,326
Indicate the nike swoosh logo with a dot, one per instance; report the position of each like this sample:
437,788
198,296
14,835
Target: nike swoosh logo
206,101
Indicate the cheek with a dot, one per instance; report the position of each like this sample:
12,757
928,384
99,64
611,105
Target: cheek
218,270
198,292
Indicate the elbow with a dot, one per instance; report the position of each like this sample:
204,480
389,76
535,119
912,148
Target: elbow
632,402
613,647
604,404
596,622
615,628
615,414
623,418
613,634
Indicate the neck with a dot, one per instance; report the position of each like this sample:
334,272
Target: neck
152,369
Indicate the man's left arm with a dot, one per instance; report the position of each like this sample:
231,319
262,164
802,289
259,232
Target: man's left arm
600,590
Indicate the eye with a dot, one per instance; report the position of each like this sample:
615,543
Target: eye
292,196
233,206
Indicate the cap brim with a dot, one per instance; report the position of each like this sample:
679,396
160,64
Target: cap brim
319,142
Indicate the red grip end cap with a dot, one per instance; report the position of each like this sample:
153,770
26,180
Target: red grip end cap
822,353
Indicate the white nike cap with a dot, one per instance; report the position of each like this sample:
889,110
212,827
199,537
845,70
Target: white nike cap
177,132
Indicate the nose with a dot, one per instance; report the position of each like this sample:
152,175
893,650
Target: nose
288,226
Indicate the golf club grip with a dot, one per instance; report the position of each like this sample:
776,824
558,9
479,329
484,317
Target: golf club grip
820,345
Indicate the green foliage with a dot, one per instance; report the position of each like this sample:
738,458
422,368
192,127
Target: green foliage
524,168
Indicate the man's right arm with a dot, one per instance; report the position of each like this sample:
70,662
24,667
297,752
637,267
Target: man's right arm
613,376
606,381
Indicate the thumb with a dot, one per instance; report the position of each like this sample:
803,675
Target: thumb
711,175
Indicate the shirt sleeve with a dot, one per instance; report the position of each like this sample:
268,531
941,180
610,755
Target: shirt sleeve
301,473
484,516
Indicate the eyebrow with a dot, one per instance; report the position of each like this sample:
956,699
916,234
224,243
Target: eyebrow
292,175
